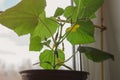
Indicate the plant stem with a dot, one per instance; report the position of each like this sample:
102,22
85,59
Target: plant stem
61,29
60,20
66,34
49,47
67,67
78,8
55,56
71,56
60,36
48,30
54,65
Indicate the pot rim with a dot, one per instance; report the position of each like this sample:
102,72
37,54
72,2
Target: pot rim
53,71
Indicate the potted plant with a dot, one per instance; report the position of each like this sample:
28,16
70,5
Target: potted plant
29,17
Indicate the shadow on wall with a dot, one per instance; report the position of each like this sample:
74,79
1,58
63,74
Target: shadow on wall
112,21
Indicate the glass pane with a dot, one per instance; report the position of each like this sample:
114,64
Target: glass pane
14,48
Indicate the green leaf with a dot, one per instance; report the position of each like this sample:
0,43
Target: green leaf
35,44
47,59
95,55
23,18
45,28
86,8
70,13
58,12
82,34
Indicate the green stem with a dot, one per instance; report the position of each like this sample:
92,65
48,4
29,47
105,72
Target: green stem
48,47
61,29
71,56
60,36
54,21
67,67
48,30
78,8
66,34
54,65
55,56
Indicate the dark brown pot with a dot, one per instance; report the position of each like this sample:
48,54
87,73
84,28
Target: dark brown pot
53,75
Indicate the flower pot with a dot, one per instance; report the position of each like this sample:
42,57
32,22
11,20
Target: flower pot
53,75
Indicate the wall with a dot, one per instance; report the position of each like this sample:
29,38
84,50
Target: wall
111,40
112,21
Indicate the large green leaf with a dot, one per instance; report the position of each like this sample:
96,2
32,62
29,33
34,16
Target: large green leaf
23,18
86,8
35,43
81,33
45,27
95,55
47,59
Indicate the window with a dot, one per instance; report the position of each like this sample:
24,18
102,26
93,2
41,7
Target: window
14,49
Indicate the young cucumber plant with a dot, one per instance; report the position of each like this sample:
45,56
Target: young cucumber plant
29,17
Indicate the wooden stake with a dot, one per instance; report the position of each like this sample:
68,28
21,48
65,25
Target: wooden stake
102,42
